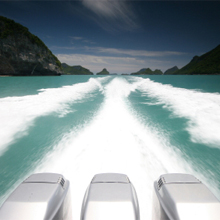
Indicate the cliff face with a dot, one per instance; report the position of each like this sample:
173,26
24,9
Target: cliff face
22,53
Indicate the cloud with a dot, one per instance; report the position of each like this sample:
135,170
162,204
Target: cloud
80,39
62,48
97,63
112,63
113,14
77,38
134,53
118,52
106,8
120,60
82,58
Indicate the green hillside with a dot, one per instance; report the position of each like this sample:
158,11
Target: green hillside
148,71
208,63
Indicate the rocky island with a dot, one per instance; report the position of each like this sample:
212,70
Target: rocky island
24,54
171,70
148,71
103,72
75,70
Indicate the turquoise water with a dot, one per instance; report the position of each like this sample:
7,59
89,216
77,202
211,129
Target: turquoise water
137,125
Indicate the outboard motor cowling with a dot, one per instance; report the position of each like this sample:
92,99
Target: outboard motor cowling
110,196
42,196
182,196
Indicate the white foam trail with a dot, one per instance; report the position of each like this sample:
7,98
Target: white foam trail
201,109
115,141
17,114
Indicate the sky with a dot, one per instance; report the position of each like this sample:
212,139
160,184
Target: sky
122,36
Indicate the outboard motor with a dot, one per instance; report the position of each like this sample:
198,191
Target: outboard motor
41,196
182,196
110,196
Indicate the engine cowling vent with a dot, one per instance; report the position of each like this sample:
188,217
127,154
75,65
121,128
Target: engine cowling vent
61,181
160,182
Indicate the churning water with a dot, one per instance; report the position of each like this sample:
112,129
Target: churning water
80,126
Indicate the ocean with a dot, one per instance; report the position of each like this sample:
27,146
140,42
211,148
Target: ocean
142,126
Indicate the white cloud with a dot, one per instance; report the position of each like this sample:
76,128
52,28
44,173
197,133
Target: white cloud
62,48
115,11
104,8
77,38
81,58
143,53
113,64
80,39
120,60
127,52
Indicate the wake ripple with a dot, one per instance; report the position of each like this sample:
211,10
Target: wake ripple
201,109
17,114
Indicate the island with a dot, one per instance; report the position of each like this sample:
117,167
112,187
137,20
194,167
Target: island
103,72
148,71
75,70
171,70
207,64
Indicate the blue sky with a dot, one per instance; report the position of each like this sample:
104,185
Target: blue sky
122,36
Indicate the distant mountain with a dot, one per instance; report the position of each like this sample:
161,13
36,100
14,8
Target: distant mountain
22,53
157,72
144,70
148,71
103,72
171,70
75,70
208,63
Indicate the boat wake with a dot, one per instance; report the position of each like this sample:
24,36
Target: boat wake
115,139
19,113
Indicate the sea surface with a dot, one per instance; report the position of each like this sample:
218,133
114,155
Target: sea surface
137,125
